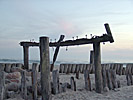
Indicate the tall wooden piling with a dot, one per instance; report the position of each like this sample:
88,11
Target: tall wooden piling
91,57
26,56
45,68
97,66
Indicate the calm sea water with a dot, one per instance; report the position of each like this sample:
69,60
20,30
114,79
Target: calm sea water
56,63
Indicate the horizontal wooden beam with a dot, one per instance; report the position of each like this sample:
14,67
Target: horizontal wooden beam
82,41
26,43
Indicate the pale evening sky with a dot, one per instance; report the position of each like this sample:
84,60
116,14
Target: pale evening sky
29,19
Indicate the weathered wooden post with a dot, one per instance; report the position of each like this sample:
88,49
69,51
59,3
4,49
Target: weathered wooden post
26,56
34,81
104,76
73,83
55,75
23,85
87,80
45,68
91,57
97,66
2,82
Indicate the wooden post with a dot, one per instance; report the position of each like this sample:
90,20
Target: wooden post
109,79
2,66
34,81
104,78
113,77
55,75
23,85
2,85
45,68
73,83
97,66
63,87
26,57
91,57
77,75
87,80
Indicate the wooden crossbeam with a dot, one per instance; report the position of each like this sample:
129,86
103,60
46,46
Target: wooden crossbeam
82,41
104,38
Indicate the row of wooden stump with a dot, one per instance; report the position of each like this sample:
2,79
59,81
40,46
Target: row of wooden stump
109,72
74,68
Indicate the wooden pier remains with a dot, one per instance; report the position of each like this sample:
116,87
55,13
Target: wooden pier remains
44,53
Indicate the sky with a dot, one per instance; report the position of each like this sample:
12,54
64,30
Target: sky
25,20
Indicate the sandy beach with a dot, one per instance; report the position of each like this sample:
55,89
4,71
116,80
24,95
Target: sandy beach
123,93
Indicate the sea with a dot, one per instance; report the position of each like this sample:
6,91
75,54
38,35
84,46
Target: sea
56,63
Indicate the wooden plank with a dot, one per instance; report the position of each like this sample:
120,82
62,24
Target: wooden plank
97,65
34,81
45,68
